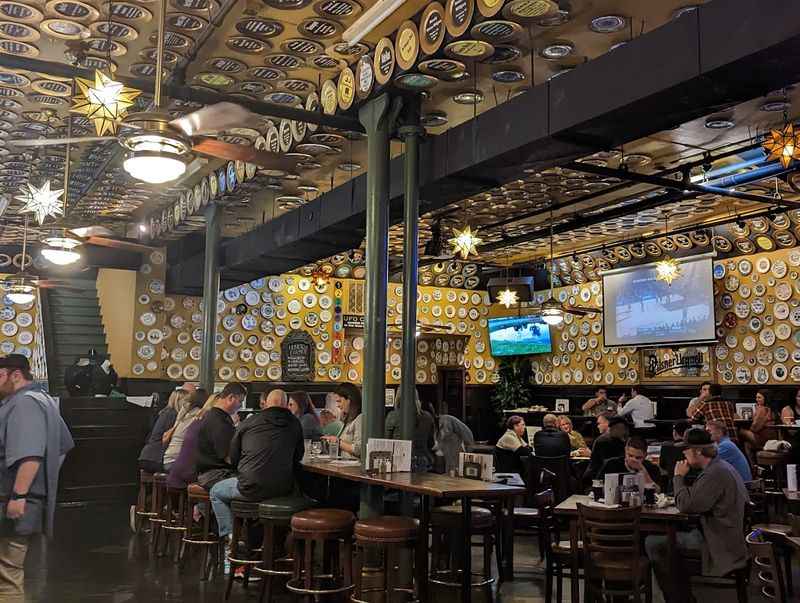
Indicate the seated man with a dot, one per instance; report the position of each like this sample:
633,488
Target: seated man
266,451
607,448
633,462
550,440
671,453
727,450
215,435
600,404
718,497
639,407
715,408
702,396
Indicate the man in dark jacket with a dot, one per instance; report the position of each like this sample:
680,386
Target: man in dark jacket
607,448
266,450
550,440
215,435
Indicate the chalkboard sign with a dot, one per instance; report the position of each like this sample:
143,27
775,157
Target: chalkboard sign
297,356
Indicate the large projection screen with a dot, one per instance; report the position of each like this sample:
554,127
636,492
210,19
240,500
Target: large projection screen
639,310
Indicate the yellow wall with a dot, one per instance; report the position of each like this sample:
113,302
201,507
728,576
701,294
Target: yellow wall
115,291
25,333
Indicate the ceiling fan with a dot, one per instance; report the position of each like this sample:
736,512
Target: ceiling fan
159,148
551,310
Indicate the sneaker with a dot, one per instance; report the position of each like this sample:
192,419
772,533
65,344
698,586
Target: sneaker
239,573
132,518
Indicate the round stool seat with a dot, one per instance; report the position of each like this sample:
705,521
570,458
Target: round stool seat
283,507
450,516
160,478
248,509
768,457
197,491
386,529
145,476
323,521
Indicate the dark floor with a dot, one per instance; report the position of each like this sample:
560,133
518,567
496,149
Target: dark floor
94,557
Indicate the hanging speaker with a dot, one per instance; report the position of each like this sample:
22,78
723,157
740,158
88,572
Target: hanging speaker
523,285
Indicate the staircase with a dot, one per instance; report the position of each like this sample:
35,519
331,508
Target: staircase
72,326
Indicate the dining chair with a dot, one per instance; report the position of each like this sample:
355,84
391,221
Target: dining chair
558,552
614,565
768,570
558,466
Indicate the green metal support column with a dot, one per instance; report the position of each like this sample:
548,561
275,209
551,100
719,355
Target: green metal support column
213,215
411,133
376,118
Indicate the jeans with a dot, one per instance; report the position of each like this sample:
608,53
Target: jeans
676,588
221,496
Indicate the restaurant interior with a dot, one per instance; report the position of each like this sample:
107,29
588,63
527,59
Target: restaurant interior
569,230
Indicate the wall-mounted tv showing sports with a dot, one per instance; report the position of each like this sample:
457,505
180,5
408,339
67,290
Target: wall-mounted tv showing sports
639,310
519,336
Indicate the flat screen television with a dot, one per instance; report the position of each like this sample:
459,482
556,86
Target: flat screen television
519,336
639,310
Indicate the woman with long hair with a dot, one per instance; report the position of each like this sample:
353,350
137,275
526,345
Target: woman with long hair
303,408
761,428
174,437
422,438
184,470
348,399
151,458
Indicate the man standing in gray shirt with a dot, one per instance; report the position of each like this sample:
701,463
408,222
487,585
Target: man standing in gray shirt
719,497
33,442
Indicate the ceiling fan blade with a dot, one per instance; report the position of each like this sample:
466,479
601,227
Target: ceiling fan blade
117,244
48,142
92,231
232,152
213,118
580,311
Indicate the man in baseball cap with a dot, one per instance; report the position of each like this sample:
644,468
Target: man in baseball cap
718,496
33,440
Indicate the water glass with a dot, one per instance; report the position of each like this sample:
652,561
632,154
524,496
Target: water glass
316,448
333,448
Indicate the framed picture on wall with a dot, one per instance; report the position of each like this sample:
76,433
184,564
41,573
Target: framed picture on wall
562,406
746,410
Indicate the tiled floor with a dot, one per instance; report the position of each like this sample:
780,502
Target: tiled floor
95,558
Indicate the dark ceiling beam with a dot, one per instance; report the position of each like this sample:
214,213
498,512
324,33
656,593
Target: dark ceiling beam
679,185
724,53
186,93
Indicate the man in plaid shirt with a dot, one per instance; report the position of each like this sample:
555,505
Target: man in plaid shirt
716,409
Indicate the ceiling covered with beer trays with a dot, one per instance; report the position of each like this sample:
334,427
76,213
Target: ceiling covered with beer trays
470,57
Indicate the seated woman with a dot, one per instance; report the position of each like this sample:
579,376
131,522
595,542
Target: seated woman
184,469
303,408
173,439
348,398
576,441
151,459
512,439
760,430
791,412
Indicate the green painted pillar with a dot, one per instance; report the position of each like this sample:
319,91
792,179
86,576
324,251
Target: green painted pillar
213,215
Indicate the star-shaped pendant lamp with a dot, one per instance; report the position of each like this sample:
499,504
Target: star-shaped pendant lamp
41,201
104,101
784,145
507,297
464,242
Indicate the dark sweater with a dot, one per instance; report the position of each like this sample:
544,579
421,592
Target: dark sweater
603,450
267,450
153,450
214,441
551,442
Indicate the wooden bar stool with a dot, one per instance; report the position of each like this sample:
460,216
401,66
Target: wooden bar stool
446,529
332,529
244,513
203,537
142,512
158,516
390,535
175,520
275,515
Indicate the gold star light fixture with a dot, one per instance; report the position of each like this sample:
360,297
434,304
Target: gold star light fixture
41,201
465,241
507,297
784,145
668,270
104,101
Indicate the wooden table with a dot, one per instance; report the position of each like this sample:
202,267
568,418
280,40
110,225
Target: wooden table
434,485
653,521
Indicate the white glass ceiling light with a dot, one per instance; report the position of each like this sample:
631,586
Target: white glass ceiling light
18,290
60,250
156,157
553,316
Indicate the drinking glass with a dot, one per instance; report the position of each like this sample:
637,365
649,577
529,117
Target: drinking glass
316,448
